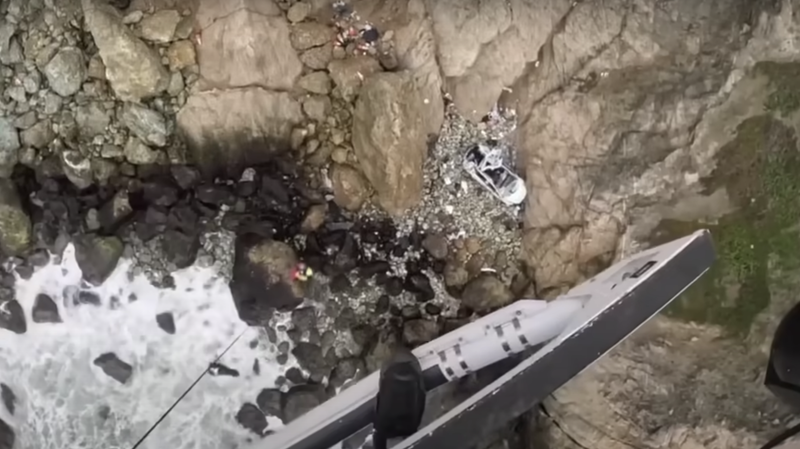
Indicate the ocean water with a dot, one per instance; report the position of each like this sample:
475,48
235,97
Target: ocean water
65,401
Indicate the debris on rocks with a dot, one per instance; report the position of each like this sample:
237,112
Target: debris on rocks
113,367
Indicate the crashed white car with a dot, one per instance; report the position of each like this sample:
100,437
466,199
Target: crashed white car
485,165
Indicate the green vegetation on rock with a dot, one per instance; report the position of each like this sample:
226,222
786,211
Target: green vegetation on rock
760,169
784,78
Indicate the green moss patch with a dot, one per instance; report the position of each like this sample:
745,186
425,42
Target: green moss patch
760,169
784,79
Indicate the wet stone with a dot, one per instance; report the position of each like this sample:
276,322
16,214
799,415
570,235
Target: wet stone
300,400
179,248
340,284
433,309
417,332
420,286
382,305
45,310
304,319
12,317
86,297
410,313
218,369
394,286
372,268
309,356
8,398
269,401
113,367
251,418
166,322
295,376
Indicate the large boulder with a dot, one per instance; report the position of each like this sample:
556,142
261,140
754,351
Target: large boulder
390,139
230,130
263,279
15,225
133,69
245,43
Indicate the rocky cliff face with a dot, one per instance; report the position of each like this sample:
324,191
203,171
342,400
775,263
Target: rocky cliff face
637,121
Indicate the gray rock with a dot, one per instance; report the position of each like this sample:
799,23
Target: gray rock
32,81
350,189
25,120
316,83
18,94
114,367
300,400
226,131
15,225
133,69
9,146
147,124
39,135
13,54
66,71
160,27
298,12
317,107
348,74
436,245
486,292
12,317
8,397
45,310
166,321
92,119
7,56
317,58
419,331
269,401
310,357
103,170
250,417
137,153
391,161
97,256
7,436
77,168
176,84
52,103
310,34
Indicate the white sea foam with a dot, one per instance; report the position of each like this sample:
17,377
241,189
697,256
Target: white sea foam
65,401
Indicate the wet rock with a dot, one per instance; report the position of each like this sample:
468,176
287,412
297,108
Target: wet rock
246,46
420,286
92,119
15,225
132,68
350,189
394,286
180,249
210,120
9,145
410,312
372,268
309,356
263,278
455,274
77,168
315,217
304,319
306,35
166,321
315,83
350,369
7,436
147,124
300,400
348,74
185,176
269,401
85,297
114,212
340,284
12,317
433,309
486,292
251,418
45,310
436,245
39,135
383,303
218,369
417,332
66,71
391,161
214,195
97,256
383,347
160,192
8,397
160,26
113,367
137,153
